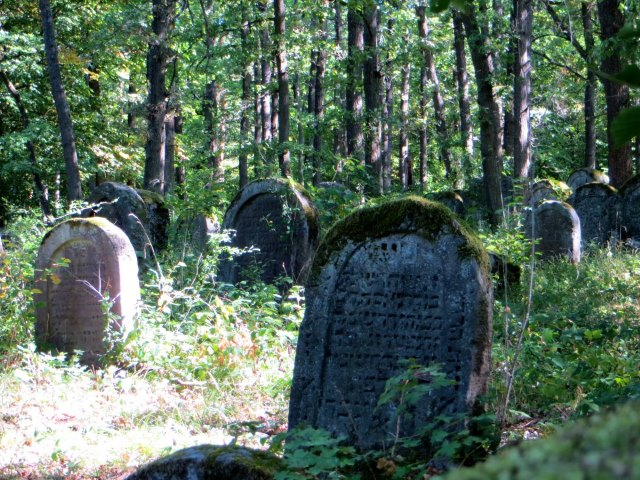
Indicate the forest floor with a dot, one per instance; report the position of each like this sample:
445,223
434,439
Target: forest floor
72,423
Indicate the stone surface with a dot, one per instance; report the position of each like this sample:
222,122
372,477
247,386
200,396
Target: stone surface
141,214
557,229
630,208
403,280
597,206
586,175
279,220
101,264
540,191
210,462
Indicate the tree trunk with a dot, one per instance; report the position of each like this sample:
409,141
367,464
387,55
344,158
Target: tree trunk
387,114
170,152
372,97
355,33
158,59
616,94
284,156
423,127
74,186
589,93
438,102
462,81
522,89
404,161
318,114
489,112
215,127
297,99
40,189
257,126
243,167
265,66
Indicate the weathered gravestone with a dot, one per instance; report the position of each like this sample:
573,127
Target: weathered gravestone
586,175
597,206
139,213
403,280
556,227
278,223
630,208
452,200
84,264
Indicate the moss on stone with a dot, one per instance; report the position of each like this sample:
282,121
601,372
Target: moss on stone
630,184
257,464
150,197
409,214
604,446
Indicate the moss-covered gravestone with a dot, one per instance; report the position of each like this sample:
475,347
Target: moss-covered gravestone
597,206
586,175
85,267
403,281
275,224
556,227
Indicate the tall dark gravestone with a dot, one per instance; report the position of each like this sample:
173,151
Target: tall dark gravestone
81,264
630,208
276,224
399,281
597,206
556,227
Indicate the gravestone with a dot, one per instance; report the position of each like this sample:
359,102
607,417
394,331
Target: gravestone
540,191
557,229
139,213
82,262
402,280
586,175
630,208
597,206
452,200
276,224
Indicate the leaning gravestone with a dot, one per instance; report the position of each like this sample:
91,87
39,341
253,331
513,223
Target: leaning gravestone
597,206
556,227
586,175
276,224
82,263
401,281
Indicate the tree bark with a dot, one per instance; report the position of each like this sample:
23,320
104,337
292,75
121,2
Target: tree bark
522,88
422,131
589,93
74,186
257,126
372,97
438,101
170,152
318,114
462,81
355,33
265,66
387,114
40,189
213,108
616,94
404,161
489,112
284,156
243,167
158,58
297,98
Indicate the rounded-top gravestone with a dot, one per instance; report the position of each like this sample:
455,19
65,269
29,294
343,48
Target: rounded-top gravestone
556,227
586,175
84,268
630,208
401,282
275,224
597,206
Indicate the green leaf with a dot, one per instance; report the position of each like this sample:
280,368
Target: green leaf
626,125
629,31
630,76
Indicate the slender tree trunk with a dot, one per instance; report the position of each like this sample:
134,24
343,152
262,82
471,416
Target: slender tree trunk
589,92
258,128
462,81
318,130
297,98
158,58
387,114
339,134
438,101
40,189
243,167
131,113
213,108
284,156
170,152
522,88
355,33
422,131
372,96
74,186
616,94
489,112
265,66
404,161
